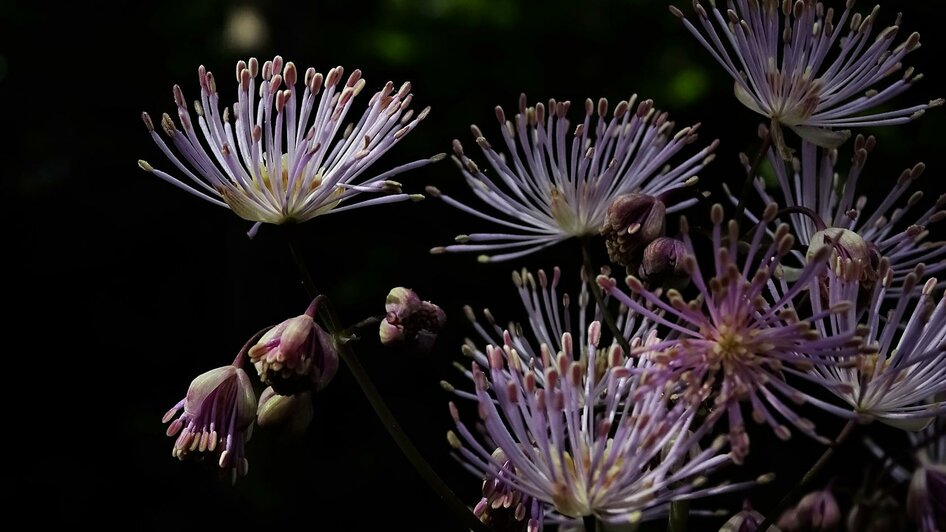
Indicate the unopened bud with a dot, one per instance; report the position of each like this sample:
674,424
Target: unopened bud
410,321
849,247
633,221
296,355
662,264
291,413
816,512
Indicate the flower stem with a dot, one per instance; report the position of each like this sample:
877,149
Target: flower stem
599,297
387,418
751,175
679,514
806,480
590,522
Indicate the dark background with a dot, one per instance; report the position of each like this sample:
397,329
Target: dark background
120,289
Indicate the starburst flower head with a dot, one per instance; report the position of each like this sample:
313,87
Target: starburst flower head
574,424
823,208
795,64
297,355
550,187
289,156
740,338
904,363
217,419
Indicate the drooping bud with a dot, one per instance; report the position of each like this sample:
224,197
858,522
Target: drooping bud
410,321
748,520
218,413
816,512
848,246
926,499
633,221
291,413
296,355
662,264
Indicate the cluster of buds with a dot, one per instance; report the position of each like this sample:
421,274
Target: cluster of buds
410,321
634,234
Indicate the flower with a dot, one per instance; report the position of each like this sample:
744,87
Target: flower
549,189
784,68
296,355
574,426
217,420
408,320
823,205
318,171
747,520
742,333
904,363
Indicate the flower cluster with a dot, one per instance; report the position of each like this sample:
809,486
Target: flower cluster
607,406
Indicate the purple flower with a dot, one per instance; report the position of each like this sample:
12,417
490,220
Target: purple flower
549,188
572,424
824,206
291,165
781,56
904,360
742,336
297,355
217,420
817,511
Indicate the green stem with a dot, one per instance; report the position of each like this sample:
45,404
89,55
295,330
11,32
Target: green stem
449,498
599,297
806,480
679,514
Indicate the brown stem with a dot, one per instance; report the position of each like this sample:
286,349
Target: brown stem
751,174
599,297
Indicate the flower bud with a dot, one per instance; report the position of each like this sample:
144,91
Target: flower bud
296,355
633,221
748,520
848,246
410,321
926,499
217,419
291,413
662,264
816,512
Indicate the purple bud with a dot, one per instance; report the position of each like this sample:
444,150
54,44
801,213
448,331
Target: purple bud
816,512
926,500
633,221
296,355
410,321
662,264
